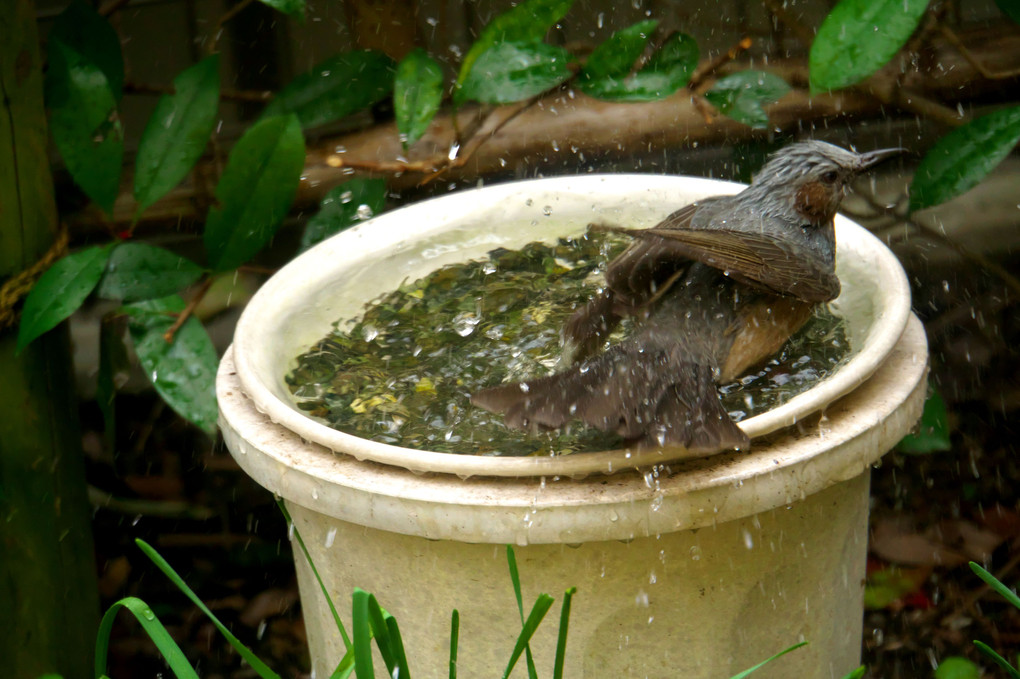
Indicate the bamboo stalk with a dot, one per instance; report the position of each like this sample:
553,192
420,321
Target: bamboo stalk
48,594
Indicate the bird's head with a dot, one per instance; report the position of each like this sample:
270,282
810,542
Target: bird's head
810,178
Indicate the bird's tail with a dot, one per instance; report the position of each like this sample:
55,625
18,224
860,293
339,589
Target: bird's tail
646,396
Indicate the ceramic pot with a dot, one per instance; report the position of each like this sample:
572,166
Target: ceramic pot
684,567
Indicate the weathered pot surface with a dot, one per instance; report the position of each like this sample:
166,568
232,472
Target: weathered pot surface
333,280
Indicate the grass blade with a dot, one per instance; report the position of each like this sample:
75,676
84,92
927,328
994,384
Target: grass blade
380,630
857,674
168,648
308,557
765,662
260,667
538,611
999,660
454,637
345,667
996,584
361,628
397,648
561,641
515,578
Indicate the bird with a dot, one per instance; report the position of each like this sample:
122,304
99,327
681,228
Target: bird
715,288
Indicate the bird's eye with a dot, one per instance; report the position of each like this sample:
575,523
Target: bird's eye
830,177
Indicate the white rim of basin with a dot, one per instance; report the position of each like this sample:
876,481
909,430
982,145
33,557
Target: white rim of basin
299,304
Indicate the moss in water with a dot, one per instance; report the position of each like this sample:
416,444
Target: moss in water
404,371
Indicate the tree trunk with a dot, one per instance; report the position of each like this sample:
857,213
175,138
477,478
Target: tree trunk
48,596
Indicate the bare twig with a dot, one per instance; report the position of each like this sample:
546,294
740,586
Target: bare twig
257,96
955,41
224,18
183,317
706,70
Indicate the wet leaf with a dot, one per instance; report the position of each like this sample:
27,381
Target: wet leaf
889,585
668,69
417,93
343,206
512,71
60,291
527,22
292,8
81,29
255,191
183,371
1010,8
858,38
742,95
933,430
955,667
963,157
177,132
137,271
84,122
615,57
337,87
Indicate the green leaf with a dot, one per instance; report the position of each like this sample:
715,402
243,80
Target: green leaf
999,660
963,157
765,662
60,291
615,57
527,22
858,38
454,639
538,611
260,667
1010,8
742,95
668,69
346,204
512,71
165,644
80,28
292,8
177,132
996,584
857,673
933,430
361,627
137,271
339,86
561,637
84,123
417,94
955,667
255,191
182,371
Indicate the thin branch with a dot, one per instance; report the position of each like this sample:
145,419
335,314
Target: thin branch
183,317
224,18
706,70
955,41
257,96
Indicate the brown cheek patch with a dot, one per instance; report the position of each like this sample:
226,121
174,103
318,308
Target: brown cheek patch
813,201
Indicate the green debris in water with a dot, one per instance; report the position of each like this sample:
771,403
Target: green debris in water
404,371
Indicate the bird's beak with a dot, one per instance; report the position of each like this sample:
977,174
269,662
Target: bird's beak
872,158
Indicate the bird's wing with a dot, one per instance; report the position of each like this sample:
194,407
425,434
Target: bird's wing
753,258
646,268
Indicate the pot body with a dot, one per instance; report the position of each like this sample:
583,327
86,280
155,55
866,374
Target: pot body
708,602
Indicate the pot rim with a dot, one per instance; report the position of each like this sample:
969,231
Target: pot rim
309,273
